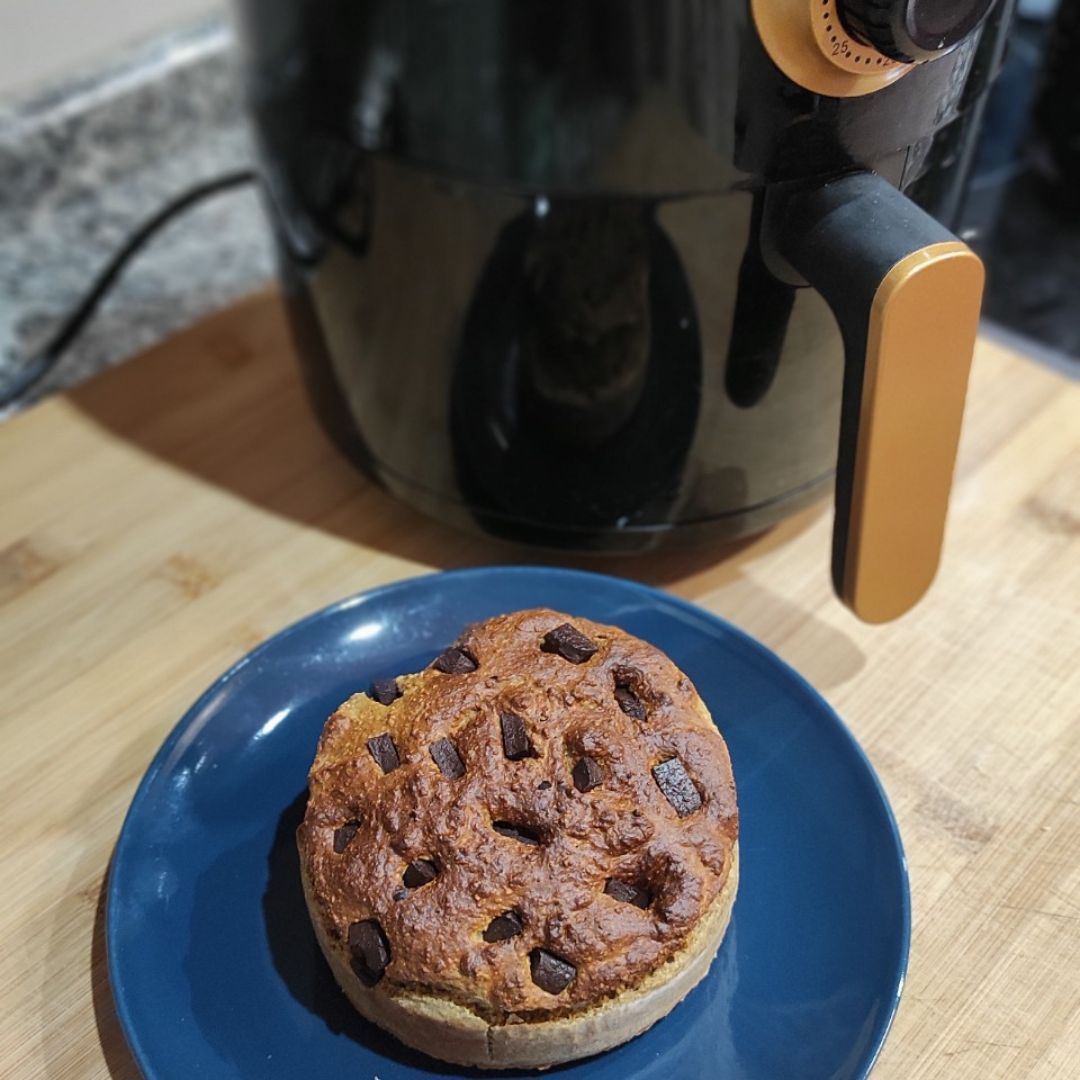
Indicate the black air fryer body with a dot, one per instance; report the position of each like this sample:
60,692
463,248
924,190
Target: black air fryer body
525,246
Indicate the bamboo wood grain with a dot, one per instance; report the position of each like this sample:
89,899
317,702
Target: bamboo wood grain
161,520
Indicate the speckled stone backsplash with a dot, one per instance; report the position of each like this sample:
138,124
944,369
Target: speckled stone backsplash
84,164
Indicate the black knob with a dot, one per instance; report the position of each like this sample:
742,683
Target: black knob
910,30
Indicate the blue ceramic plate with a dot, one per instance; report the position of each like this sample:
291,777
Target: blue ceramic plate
214,966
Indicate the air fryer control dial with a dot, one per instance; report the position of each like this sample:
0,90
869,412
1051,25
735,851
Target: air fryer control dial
912,30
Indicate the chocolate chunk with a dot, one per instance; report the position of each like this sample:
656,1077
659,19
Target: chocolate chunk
627,893
587,774
569,642
515,738
629,702
400,894
383,750
455,661
672,779
370,951
543,785
419,872
506,925
515,832
445,755
550,972
343,835
384,691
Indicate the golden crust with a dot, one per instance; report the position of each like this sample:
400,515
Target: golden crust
441,969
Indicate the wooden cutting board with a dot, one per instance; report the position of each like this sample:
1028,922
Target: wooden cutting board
161,520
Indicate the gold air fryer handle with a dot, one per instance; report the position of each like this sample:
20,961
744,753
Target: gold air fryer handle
906,294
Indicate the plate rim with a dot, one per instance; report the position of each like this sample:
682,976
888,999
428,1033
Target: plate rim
121,848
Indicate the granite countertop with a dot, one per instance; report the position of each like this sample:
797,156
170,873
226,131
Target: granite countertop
83,164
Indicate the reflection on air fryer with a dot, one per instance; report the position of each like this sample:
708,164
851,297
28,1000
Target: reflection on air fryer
587,380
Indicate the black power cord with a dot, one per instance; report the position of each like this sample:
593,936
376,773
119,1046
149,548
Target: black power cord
46,359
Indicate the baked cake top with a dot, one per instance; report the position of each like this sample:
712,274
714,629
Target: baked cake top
536,821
